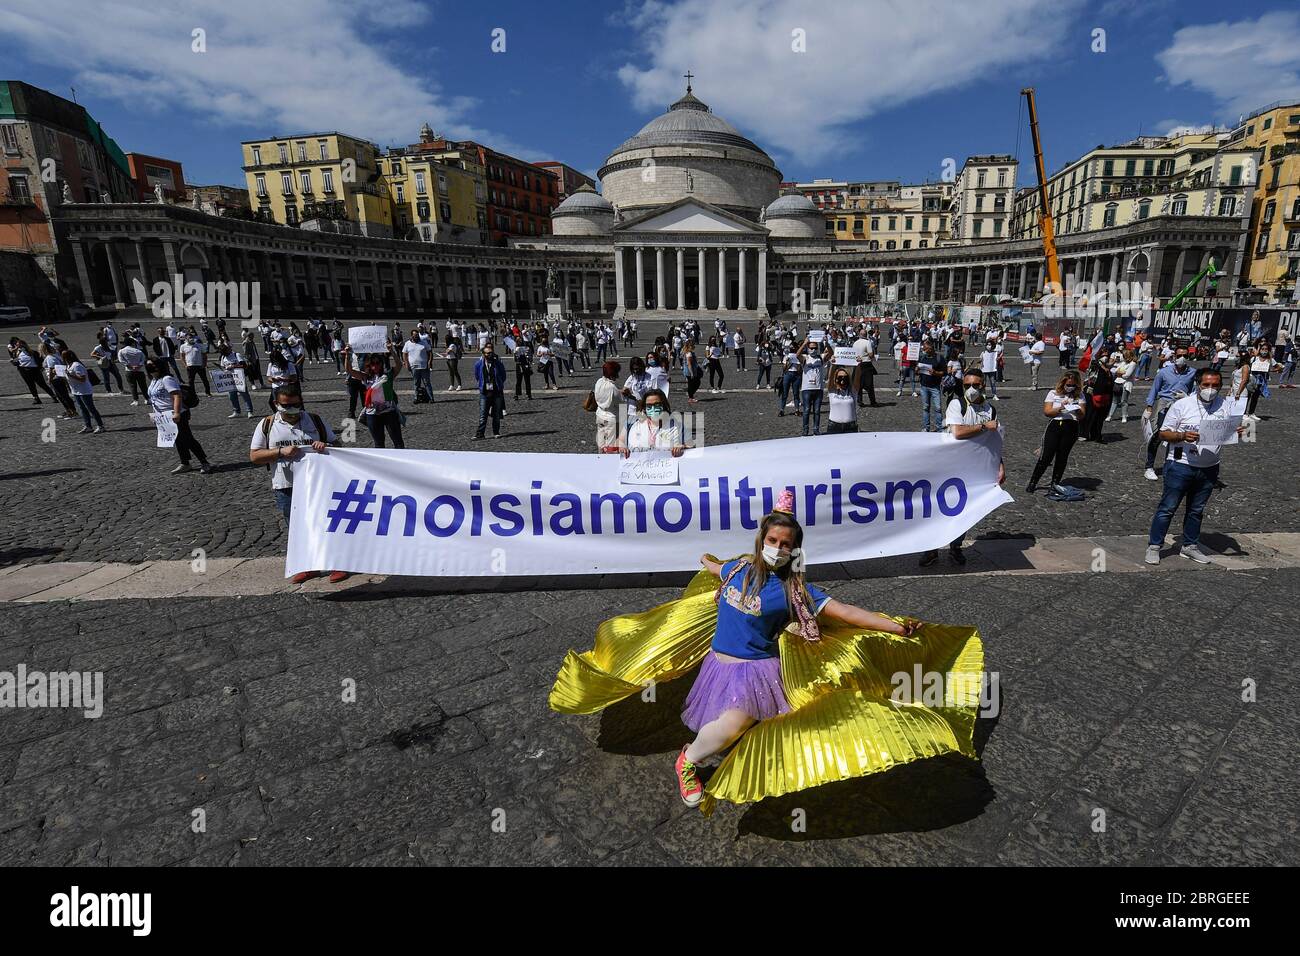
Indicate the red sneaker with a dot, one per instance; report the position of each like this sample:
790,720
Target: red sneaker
688,785
302,576
338,576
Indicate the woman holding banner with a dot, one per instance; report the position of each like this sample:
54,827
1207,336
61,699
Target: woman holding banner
788,675
380,409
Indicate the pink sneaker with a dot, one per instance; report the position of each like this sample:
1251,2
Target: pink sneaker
688,785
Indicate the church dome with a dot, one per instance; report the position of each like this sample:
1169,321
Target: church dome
584,213
794,216
793,204
690,152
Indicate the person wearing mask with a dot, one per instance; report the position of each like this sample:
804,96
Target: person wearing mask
738,343
1036,350
930,376
1099,396
653,429
29,369
83,392
1064,409
195,357
716,374
1261,364
415,356
763,358
454,352
1124,370
1172,382
967,415
989,369
842,403
692,371
283,438
1065,346
788,396
608,395
104,353
380,409
280,369
546,365
523,369
865,347
1191,469
165,398
232,361
490,379
906,367
164,347
814,381
56,372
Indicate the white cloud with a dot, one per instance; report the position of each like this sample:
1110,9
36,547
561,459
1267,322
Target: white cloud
1174,127
305,66
1244,64
861,59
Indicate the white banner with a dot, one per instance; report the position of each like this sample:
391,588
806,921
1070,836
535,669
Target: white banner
445,513
367,339
166,428
846,355
222,380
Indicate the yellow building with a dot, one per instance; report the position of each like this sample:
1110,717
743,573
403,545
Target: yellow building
432,199
918,217
1273,244
1193,174
319,178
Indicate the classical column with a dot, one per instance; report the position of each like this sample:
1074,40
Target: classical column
722,278
847,277
83,274
640,280
582,277
952,282
119,293
600,288
173,263
762,281
1114,267
703,283
740,304
660,301
681,278
1022,289
620,299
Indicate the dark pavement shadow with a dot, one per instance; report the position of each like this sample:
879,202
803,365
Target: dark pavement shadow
40,474
17,555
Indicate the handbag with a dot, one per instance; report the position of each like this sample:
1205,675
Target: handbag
589,403
92,376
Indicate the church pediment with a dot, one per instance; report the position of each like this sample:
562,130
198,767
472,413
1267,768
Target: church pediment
690,215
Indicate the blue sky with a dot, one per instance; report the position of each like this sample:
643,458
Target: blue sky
856,89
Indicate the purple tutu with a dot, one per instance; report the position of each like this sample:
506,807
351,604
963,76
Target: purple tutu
751,686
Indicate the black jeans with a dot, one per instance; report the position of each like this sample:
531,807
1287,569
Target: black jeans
186,443
356,389
453,371
111,369
837,428
1058,439
198,371
867,383
715,369
139,387
523,380
32,377
390,421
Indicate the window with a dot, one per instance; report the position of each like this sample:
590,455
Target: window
1108,219
397,167
419,182
324,147
1108,168
1295,210
442,184
1002,177
519,224
401,192
907,243
875,224
1262,245
18,189
422,210
891,244
979,203
843,225
907,223
305,177
924,244
444,210
526,186
1268,123
284,153
1130,167
291,215
893,223
261,184
1148,167
999,203
1227,205
1144,209
979,179
997,227
979,227
286,183
1269,209
302,152
925,224
327,177
1179,207
257,155
1235,178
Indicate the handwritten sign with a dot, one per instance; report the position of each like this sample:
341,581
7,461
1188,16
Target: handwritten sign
222,381
654,467
1218,431
913,351
366,339
816,335
846,355
240,379
510,343
167,429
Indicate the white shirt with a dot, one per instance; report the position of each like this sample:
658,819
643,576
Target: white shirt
160,393
607,396
812,372
1071,409
82,387
131,357
282,433
417,353
1186,415
25,359
974,414
844,407
639,437
1036,351
193,354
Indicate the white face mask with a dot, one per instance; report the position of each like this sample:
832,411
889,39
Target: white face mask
1207,394
974,395
775,557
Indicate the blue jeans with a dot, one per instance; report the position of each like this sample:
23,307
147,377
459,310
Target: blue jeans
1144,364
1183,481
423,381
789,390
283,501
812,406
931,401
86,405
235,396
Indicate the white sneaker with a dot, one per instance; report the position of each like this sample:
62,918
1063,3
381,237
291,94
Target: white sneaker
133,404
233,415
85,431
1123,421
1153,554
248,414
1195,553
1150,475
99,429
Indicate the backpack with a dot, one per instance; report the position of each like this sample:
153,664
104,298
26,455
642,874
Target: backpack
315,420
189,397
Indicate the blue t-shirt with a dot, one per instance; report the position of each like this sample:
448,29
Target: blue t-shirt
748,628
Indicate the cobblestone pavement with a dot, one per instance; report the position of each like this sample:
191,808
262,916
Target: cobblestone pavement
1119,692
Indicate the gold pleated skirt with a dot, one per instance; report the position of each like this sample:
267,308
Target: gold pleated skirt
860,701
